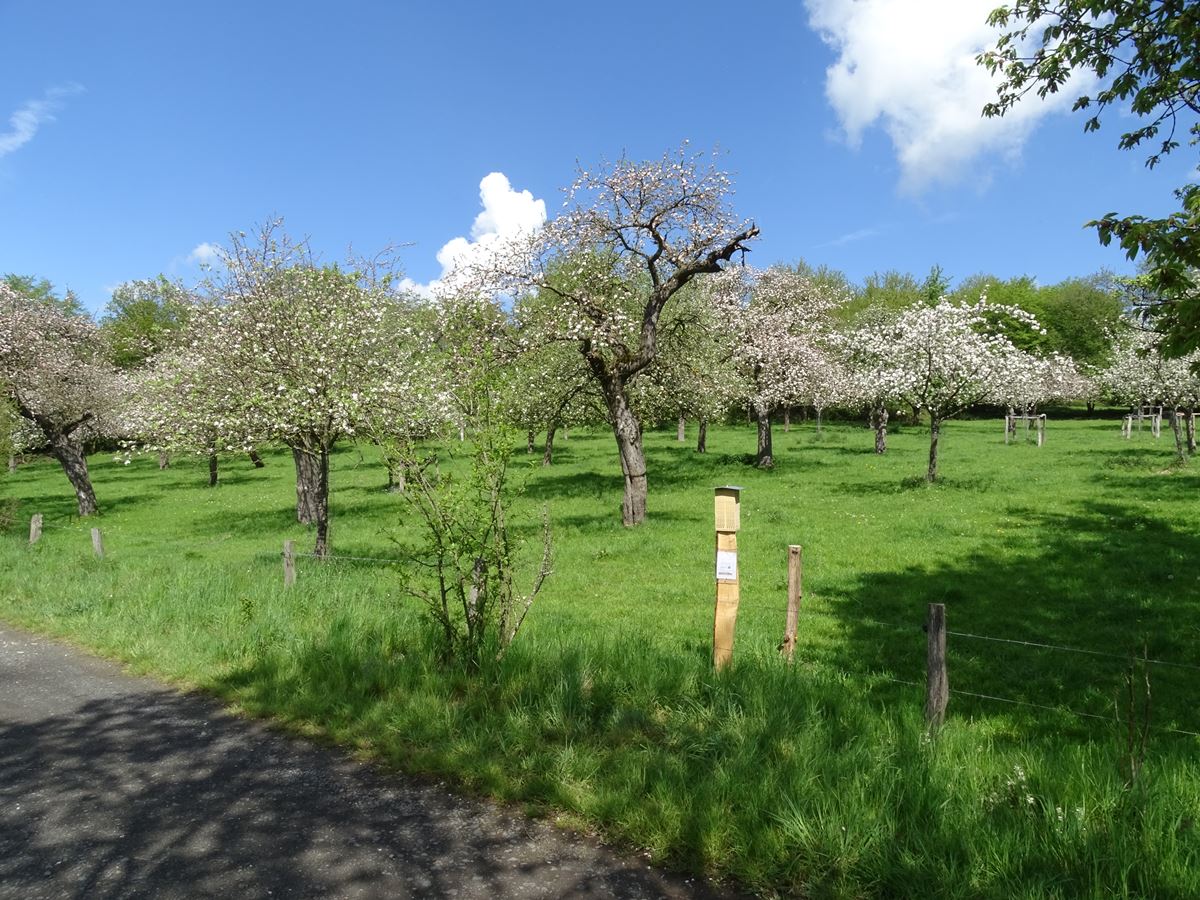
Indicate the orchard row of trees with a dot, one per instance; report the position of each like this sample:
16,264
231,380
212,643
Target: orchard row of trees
633,306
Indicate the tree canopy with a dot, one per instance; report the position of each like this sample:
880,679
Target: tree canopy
1143,53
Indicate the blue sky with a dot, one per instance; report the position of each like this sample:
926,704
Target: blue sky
133,133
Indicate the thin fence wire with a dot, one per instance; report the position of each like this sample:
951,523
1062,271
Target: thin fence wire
858,620
1039,706
1065,649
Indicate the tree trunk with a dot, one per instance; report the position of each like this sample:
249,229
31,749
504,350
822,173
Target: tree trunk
879,420
1091,406
69,453
256,459
212,470
530,437
1177,430
12,462
702,437
680,429
321,503
935,428
628,433
1012,424
396,481
787,419
820,409
164,461
764,458
307,477
1191,429
548,455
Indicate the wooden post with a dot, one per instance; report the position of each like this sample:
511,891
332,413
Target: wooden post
97,543
35,528
1156,425
1127,427
1041,429
937,684
289,563
794,593
1006,426
728,521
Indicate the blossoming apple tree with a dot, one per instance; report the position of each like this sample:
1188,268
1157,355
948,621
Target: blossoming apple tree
55,372
941,359
304,355
632,236
777,324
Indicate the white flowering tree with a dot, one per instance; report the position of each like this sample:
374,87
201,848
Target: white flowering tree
632,236
55,372
941,359
1140,373
304,355
777,323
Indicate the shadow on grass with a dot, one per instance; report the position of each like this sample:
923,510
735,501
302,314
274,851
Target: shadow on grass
1101,577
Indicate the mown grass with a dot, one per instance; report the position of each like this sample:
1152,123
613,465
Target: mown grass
814,780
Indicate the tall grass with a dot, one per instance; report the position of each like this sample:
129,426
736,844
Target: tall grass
814,780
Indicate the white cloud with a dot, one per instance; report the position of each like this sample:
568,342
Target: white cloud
205,254
911,68
25,122
506,214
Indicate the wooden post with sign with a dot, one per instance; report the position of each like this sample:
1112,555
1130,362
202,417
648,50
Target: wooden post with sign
728,521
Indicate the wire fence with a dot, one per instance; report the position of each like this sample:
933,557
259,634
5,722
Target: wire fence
760,611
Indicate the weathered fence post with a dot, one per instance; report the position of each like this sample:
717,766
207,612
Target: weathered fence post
728,521
35,528
1006,429
97,543
937,684
289,563
794,592
1041,429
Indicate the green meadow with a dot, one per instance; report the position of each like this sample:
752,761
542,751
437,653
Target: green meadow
816,779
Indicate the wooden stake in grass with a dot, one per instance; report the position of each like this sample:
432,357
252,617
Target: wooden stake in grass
97,543
35,528
937,684
728,521
289,563
794,592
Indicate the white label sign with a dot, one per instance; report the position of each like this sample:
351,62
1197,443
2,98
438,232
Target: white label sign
726,565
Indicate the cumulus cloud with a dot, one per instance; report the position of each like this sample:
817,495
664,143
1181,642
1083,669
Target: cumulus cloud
910,67
506,214
205,254
25,122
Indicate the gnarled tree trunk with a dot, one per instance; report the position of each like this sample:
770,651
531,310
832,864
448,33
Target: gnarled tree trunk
69,453
530,439
702,437
1191,429
787,419
164,461
935,430
879,421
680,429
1177,430
307,478
627,431
395,475
321,503
212,470
764,458
548,455
256,459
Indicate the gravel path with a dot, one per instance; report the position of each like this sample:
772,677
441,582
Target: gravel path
114,786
